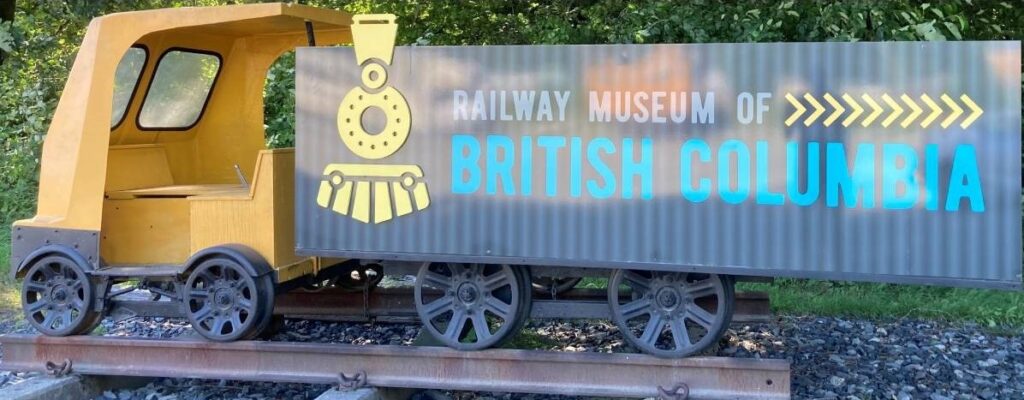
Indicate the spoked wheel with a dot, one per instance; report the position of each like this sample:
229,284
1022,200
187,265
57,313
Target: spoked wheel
224,303
671,314
57,297
548,286
472,306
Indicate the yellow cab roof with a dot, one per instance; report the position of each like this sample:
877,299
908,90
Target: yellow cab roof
75,153
232,20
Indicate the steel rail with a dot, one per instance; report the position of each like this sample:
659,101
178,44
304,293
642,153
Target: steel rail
500,370
396,305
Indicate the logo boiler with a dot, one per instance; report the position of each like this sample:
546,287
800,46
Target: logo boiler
373,193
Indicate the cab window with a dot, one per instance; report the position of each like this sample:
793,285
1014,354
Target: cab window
179,90
126,79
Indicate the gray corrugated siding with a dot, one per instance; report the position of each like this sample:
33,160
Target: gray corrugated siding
667,232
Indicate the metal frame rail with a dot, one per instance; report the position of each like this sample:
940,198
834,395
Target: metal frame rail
396,305
499,370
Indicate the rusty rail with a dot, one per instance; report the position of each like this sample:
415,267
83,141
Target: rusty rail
521,371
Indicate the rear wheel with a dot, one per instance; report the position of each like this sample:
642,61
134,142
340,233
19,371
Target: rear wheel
265,326
57,297
224,302
472,306
671,314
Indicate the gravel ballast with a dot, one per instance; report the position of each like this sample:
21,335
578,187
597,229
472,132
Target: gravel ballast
831,357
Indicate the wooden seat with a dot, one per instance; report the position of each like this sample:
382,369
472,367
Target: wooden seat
181,191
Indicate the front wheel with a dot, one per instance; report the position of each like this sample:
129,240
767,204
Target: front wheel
57,297
671,314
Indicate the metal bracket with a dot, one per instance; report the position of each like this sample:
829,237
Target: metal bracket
356,381
680,391
366,292
58,370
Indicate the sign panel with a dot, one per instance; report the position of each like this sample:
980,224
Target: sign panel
896,162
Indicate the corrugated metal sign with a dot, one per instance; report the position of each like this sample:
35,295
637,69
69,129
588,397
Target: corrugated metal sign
895,162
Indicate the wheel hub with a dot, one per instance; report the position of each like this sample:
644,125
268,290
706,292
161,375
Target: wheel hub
668,298
224,298
468,293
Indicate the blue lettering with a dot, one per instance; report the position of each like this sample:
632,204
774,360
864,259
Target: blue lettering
813,187
551,144
730,195
465,158
500,168
703,189
964,181
837,177
575,165
644,169
931,177
595,146
894,176
526,169
764,196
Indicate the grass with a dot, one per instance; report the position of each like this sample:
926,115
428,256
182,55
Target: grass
991,308
995,309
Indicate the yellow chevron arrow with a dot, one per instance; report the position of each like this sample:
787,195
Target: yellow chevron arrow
796,114
896,110
876,109
857,110
839,110
915,110
818,109
936,111
952,106
975,111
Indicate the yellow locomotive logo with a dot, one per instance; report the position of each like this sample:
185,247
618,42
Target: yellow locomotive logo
373,193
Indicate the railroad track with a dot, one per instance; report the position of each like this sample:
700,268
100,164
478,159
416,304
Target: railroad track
544,372
396,305
354,366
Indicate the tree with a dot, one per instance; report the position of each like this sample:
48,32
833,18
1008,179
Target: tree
6,15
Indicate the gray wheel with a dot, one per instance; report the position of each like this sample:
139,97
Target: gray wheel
57,297
223,302
670,314
266,291
472,306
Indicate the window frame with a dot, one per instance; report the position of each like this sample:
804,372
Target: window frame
135,89
152,78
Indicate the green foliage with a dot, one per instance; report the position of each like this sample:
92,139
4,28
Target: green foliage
279,94
45,35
